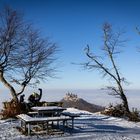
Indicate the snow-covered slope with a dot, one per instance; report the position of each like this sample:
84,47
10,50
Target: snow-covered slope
89,126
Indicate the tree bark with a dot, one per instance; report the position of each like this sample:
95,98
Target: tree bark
9,86
123,97
125,102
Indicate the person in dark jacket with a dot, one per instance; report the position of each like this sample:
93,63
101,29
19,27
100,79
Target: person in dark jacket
35,98
22,98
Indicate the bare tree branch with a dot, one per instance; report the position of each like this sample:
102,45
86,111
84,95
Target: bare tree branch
111,43
25,56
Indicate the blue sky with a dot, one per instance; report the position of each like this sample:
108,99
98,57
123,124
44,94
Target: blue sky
74,23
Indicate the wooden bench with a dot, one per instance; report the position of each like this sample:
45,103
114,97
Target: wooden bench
52,104
27,121
32,113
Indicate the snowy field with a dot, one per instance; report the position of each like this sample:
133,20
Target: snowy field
89,126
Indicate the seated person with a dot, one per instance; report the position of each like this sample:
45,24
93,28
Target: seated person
35,98
22,98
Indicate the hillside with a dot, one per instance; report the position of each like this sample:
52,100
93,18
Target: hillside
72,100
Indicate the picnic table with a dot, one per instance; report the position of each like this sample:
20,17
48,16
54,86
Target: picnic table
51,110
28,121
40,116
71,115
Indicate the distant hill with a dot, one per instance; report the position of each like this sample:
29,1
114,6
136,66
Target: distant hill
72,100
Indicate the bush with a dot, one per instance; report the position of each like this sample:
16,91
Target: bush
119,111
134,116
116,111
12,108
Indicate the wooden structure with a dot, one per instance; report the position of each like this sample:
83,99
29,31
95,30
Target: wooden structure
39,115
71,115
52,104
27,122
48,110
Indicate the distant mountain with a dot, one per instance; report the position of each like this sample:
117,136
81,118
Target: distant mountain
72,100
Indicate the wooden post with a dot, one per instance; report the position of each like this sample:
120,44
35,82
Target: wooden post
29,129
72,122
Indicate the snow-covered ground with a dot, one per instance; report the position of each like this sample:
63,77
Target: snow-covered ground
89,126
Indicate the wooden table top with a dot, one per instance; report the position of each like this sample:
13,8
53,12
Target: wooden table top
47,108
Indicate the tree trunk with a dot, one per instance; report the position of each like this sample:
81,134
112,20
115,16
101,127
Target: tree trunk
125,103
12,90
123,98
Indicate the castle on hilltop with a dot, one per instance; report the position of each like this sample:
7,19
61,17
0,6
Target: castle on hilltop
71,97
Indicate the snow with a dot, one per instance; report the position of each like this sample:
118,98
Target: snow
32,119
46,108
25,117
89,126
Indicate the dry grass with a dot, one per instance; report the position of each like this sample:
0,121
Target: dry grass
118,111
11,109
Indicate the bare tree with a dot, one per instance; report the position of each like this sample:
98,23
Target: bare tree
111,43
25,56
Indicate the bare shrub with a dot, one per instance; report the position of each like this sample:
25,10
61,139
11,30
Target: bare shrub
12,108
134,116
116,111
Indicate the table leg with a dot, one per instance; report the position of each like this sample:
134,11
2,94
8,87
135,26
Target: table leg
21,123
47,128
25,127
29,129
72,122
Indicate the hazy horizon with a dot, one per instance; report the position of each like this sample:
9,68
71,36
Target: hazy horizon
95,96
